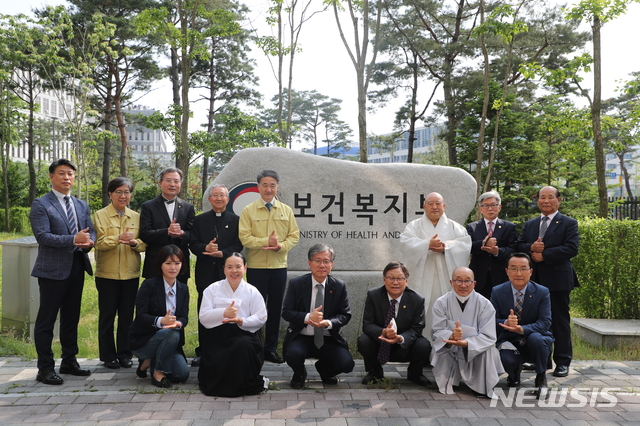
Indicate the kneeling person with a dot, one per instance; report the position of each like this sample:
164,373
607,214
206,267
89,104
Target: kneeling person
394,303
523,318
464,337
317,307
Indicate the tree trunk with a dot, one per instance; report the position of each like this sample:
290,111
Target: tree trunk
31,153
598,143
106,161
485,109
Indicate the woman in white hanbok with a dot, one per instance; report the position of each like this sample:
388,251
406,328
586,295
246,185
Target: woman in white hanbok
232,312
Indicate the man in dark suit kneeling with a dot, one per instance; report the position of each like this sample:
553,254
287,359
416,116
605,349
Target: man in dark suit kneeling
317,307
523,318
394,303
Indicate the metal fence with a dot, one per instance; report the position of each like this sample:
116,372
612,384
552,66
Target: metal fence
624,208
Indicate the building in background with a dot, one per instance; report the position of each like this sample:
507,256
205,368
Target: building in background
146,144
615,178
425,140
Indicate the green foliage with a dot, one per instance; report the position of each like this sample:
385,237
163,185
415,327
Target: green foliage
608,269
18,220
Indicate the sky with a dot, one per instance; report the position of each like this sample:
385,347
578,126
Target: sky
324,65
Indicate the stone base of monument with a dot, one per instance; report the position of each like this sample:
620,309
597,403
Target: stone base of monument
358,283
608,332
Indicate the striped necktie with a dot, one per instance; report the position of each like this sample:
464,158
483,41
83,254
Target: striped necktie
71,217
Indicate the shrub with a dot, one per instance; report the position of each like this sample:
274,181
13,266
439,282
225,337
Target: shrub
18,220
608,269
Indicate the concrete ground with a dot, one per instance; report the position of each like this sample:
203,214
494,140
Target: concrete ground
594,393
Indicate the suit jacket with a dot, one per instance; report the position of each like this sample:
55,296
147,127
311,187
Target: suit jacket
154,225
52,232
210,269
410,319
560,245
536,311
297,304
151,303
505,234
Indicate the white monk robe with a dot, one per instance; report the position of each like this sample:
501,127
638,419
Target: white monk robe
431,271
481,368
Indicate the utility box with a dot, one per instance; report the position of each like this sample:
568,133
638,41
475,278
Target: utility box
20,292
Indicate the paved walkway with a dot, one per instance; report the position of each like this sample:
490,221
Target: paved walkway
120,398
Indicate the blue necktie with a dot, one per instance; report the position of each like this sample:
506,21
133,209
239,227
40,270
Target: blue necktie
71,217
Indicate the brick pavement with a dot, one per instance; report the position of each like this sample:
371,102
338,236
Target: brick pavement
118,397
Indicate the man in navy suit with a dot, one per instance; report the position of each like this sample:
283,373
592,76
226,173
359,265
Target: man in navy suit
492,241
523,319
552,241
166,219
213,238
404,342
64,232
317,307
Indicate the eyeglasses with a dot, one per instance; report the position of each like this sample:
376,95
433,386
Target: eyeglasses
119,193
174,181
322,262
461,282
395,279
490,206
521,270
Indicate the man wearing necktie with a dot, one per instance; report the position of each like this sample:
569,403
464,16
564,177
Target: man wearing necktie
523,317
317,307
166,219
492,241
394,303
64,232
268,230
552,241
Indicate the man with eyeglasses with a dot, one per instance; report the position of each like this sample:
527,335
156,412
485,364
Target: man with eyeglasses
492,241
317,307
464,337
433,246
551,239
268,230
392,325
166,219
213,238
523,318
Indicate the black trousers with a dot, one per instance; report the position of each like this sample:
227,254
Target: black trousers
536,350
333,358
561,327
417,354
64,296
270,283
115,297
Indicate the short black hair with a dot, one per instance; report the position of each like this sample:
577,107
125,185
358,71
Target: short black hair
118,182
61,162
166,252
236,254
268,173
520,255
395,265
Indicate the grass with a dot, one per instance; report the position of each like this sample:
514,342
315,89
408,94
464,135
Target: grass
12,344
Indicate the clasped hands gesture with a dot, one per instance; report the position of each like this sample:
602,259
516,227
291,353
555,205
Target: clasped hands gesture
490,244
175,231
83,239
169,321
316,319
536,250
212,249
230,314
456,337
436,245
389,335
511,324
273,242
127,238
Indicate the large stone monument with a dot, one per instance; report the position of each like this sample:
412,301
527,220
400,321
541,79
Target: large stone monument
359,209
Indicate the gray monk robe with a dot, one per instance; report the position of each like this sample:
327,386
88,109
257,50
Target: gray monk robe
479,364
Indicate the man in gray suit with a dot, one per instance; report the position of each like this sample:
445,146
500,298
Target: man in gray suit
63,229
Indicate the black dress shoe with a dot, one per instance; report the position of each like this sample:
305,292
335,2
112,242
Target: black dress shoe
528,366
326,378
561,371
273,357
74,369
139,372
114,365
125,362
420,380
514,381
49,377
372,378
297,381
196,362
162,383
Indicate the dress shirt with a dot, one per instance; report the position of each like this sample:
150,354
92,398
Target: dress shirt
170,301
60,196
550,216
399,299
309,329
